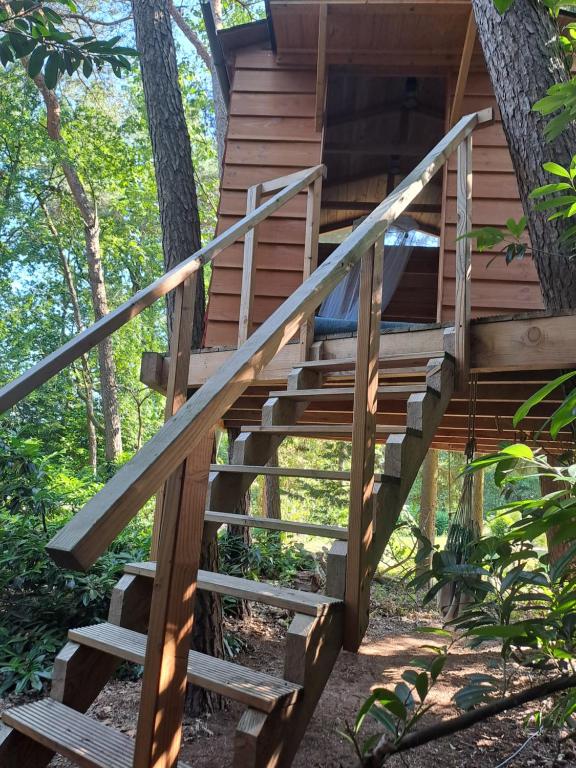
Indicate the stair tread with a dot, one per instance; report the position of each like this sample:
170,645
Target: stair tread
348,363
319,429
255,689
310,603
255,469
79,738
347,393
290,526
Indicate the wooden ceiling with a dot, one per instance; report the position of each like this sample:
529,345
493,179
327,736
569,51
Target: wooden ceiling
423,33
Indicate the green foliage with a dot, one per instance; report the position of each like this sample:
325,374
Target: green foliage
35,31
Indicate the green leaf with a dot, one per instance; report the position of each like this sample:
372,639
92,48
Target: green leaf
51,71
422,685
557,170
539,396
434,631
519,451
503,5
36,60
549,189
390,701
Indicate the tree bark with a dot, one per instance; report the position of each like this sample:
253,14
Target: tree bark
428,503
170,145
89,215
271,494
524,59
180,223
478,500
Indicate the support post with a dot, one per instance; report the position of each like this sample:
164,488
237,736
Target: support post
313,205
177,388
248,269
463,264
321,65
360,523
465,61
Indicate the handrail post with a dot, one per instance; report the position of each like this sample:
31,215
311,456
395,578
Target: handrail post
248,269
463,264
313,204
360,524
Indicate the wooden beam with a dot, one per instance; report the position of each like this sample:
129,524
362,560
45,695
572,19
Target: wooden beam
357,599
248,268
380,149
463,264
354,205
321,68
467,51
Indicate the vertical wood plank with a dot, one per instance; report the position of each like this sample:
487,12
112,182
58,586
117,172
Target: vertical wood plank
321,65
465,61
360,526
248,269
159,729
313,205
463,264
177,387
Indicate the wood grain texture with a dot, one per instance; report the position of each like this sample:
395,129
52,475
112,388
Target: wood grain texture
463,265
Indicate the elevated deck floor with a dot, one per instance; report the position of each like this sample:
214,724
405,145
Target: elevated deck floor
512,356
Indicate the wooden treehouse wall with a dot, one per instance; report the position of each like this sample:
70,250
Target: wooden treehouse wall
270,133
496,289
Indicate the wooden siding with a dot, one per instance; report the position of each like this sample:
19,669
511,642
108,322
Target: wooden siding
270,133
496,288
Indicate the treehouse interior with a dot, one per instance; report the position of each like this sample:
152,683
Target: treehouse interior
363,141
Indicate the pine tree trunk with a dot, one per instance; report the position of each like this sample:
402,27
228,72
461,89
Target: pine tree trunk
170,144
271,494
89,215
180,238
524,59
428,502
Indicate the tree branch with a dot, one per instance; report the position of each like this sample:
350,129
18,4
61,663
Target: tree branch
386,749
191,35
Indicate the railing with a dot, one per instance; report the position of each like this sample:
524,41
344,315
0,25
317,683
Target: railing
16,390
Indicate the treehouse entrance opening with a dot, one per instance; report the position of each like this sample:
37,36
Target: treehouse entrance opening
377,129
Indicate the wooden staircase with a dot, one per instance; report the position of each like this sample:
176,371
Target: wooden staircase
151,611
278,709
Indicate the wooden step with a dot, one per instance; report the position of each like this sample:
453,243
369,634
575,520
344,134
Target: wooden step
254,689
308,529
309,603
318,430
401,360
84,741
254,469
329,394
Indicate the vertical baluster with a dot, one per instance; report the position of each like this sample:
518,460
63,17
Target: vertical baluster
463,264
313,203
363,448
248,269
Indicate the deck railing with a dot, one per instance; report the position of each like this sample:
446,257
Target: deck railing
180,452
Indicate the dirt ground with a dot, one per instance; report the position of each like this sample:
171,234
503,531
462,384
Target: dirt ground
388,647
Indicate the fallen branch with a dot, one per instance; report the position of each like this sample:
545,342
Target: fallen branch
384,749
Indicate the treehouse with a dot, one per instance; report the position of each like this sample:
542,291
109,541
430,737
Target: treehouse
345,304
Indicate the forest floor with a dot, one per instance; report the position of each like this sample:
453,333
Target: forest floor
391,642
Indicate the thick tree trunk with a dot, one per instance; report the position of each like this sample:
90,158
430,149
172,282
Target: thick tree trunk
180,238
428,502
170,144
524,59
89,215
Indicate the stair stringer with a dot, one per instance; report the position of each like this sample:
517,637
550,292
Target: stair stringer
312,648
405,453
80,673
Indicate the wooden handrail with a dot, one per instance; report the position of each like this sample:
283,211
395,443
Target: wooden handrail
16,390
96,525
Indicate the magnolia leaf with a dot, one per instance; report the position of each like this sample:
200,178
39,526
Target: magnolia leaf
540,395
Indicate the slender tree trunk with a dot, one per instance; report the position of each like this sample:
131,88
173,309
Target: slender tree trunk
524,59
170,144
240,532
271,494
89,215
87,383
428,502
180,222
